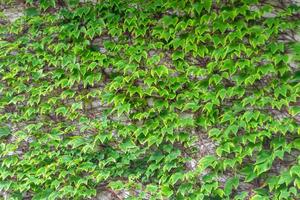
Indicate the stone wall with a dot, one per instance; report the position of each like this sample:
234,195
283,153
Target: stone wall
206,146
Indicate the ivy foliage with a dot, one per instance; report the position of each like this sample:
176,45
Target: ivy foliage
117,95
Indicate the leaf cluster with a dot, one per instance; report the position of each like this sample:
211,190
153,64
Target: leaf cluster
117,95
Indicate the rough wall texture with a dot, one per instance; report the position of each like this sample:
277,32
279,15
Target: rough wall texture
205,145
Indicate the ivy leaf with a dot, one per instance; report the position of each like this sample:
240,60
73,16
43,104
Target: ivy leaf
177,55
259,197
198,7
185,188
285,177
272,182
230,184
168,20
176,177
296,144
294,110
4,131
191,106
77,106
166,191
214,132
61,110
151,188
206,162
30,12
116,185
127,145
295,170
207,4
45,4
160,71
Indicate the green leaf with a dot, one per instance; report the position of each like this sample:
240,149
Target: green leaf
176,177
177,55
205,162
166,191
295,170
207,4
198,7
4,131
230,184
30,12
61,110
168,20
151,188
294,110
77,106
296,144
160,71
116,185
214,132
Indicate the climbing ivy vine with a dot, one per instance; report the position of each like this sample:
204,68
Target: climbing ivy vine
117,95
